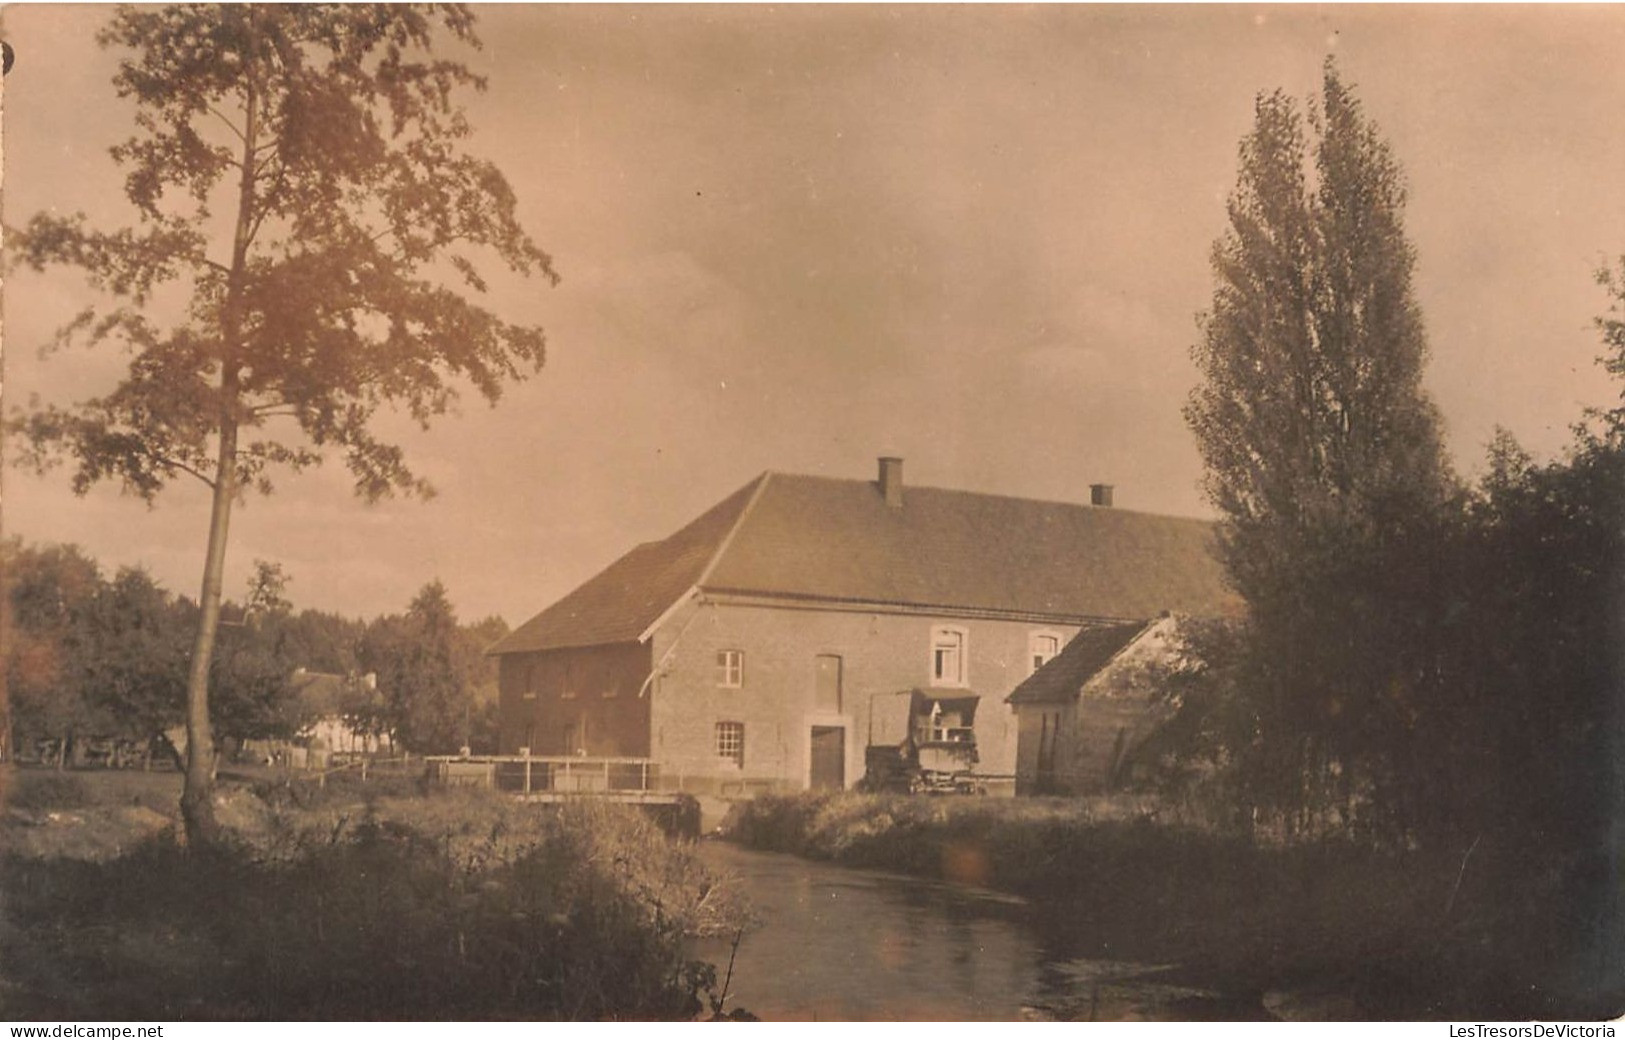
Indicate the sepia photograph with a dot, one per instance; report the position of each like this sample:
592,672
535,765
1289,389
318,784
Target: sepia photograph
812,512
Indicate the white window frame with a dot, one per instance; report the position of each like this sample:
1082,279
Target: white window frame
940,636
1032,647
730,669
732,749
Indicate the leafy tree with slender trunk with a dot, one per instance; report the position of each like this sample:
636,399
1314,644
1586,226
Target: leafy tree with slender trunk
298,175
252,692
429,669
1322,450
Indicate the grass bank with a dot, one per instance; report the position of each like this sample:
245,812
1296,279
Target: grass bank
452,906
1403,934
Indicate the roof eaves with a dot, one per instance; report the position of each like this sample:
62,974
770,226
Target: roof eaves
817,601
710,565
739,521
1028,694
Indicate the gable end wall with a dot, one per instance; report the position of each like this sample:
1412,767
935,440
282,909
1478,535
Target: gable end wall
594,689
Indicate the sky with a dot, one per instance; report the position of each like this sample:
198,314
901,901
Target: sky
796,238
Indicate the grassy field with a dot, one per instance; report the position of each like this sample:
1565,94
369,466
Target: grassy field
1407,936
354,904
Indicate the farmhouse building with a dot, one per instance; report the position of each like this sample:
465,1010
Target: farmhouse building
749,650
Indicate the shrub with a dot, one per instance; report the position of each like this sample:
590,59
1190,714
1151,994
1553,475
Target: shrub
37,789
451,908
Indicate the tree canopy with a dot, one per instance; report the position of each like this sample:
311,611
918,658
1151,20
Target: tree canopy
1421,662
1311,415
1323,457
432,675
87,656
298,174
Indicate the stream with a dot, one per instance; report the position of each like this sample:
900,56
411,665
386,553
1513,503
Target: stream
838,943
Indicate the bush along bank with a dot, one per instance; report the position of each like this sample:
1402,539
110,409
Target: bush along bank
1407,935
438,909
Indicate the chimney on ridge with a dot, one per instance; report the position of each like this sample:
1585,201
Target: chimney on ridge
1100,495
891,480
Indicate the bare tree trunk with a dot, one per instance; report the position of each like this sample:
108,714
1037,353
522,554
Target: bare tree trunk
197,798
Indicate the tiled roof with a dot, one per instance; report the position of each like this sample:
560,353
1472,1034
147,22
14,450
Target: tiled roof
630,594
1059,681
838,539
819,538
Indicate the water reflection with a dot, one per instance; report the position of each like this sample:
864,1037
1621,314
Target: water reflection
843,944
848,944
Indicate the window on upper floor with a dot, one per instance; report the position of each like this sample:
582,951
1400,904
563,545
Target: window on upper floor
1041,649
948,652
731,668
827,684
730,738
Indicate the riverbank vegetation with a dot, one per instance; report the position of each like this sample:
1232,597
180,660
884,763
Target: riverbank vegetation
1407,934
451,906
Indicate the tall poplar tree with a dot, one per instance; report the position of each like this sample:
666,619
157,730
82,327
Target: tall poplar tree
298,173
1322,450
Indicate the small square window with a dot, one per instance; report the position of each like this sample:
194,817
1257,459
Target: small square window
731,742
731,668
1042,648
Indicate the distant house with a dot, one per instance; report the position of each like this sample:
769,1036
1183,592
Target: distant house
326,700
1083,715
750,649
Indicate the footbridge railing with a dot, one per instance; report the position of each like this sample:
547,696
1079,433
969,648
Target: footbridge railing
560,774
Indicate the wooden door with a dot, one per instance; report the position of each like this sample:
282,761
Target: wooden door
828,771
1046,752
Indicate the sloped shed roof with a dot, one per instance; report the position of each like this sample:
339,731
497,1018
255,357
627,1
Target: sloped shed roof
1092,649
819,538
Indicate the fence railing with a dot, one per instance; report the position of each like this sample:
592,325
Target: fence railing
528,774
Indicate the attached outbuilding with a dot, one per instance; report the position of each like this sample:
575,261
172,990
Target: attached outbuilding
1083,716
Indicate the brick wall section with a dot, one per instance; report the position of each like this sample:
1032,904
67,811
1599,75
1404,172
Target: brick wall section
880,653
1034,724
594,689
1086,743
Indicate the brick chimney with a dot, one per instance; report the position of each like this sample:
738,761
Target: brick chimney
891,480
1100,495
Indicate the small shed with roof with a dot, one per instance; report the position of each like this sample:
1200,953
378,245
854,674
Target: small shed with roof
1081,718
